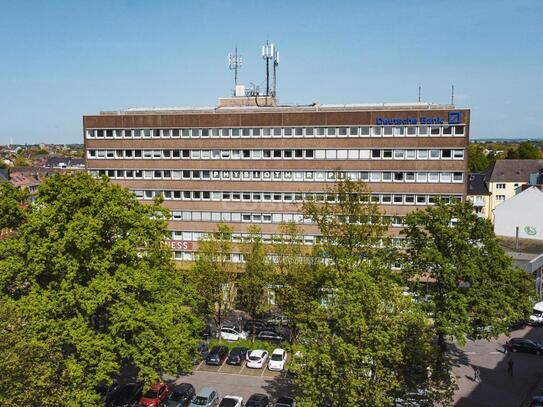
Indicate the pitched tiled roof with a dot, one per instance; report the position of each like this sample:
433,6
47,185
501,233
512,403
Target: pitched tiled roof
477,184
513,170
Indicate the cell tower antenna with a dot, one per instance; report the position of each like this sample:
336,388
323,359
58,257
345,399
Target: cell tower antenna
452,94
270,54
234,63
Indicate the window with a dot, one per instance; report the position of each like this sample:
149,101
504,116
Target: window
411,131
458,154
434,154
434,131
399,131
387,132
423,131
500,186
375,153
353,131
458,130
500,197
376,131
445,154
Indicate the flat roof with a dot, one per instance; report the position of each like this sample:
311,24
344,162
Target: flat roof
315,107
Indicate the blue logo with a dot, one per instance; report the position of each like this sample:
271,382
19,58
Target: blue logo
455,118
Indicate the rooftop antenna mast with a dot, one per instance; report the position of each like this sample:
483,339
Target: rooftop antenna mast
270,54
234,63
452,94
420,87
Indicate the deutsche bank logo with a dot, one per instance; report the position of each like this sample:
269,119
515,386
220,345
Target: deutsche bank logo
455,118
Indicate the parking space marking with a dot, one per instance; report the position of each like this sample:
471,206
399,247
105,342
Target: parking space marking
242,368
470,353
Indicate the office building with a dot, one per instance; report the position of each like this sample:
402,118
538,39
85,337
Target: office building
251,161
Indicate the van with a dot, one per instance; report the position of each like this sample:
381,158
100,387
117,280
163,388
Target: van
536,319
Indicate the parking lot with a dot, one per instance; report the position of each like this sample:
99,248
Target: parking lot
238,381
237,370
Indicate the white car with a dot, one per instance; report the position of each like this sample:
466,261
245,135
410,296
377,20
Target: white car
277,360
231,401
257,358
232,334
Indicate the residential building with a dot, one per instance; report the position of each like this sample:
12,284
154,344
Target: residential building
505,178
521,215
479,195
245,163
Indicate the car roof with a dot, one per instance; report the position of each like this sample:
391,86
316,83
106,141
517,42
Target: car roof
183,387
260,352
257,396
206,391
238,398
237,348
278,351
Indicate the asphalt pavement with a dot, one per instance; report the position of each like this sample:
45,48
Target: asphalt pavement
497,388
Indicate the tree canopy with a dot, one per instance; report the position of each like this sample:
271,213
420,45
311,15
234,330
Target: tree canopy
12,206
95,288
455,265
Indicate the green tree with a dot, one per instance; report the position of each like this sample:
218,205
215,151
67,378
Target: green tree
214,275
525,151
253,283
477,159
454,261
21,161
352,226
298,282
366,347
12,206
363,341
90,269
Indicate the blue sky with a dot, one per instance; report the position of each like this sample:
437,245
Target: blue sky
62,59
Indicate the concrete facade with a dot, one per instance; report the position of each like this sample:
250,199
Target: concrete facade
255,165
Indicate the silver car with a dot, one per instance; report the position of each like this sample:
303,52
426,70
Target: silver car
207,397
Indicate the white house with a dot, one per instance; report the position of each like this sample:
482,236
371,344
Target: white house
523,211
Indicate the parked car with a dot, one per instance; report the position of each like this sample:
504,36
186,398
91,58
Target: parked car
237,356
255,324
280,320
515,326
217,355
106,391
156,395
524,345
258,400
207,397
230,333
277,360
285,402
231,401
257,358
270,336
181,396
126,395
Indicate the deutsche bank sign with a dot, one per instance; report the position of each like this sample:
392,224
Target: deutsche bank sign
453,118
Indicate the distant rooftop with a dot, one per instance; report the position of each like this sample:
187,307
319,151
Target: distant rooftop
315,107
513,170
477,184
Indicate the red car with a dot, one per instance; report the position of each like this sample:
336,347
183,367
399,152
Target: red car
156,395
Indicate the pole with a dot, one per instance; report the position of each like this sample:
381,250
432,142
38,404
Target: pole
516,239
419,92
236,67
267,76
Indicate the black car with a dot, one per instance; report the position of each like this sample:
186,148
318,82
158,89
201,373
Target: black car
258,400
524,345
284,402
256,325
237,356
515,326
270,336
106,391
217,355
181,396
126,395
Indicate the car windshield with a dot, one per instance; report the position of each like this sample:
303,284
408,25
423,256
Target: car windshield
150,394
228,403
276,357
254,358
200,401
